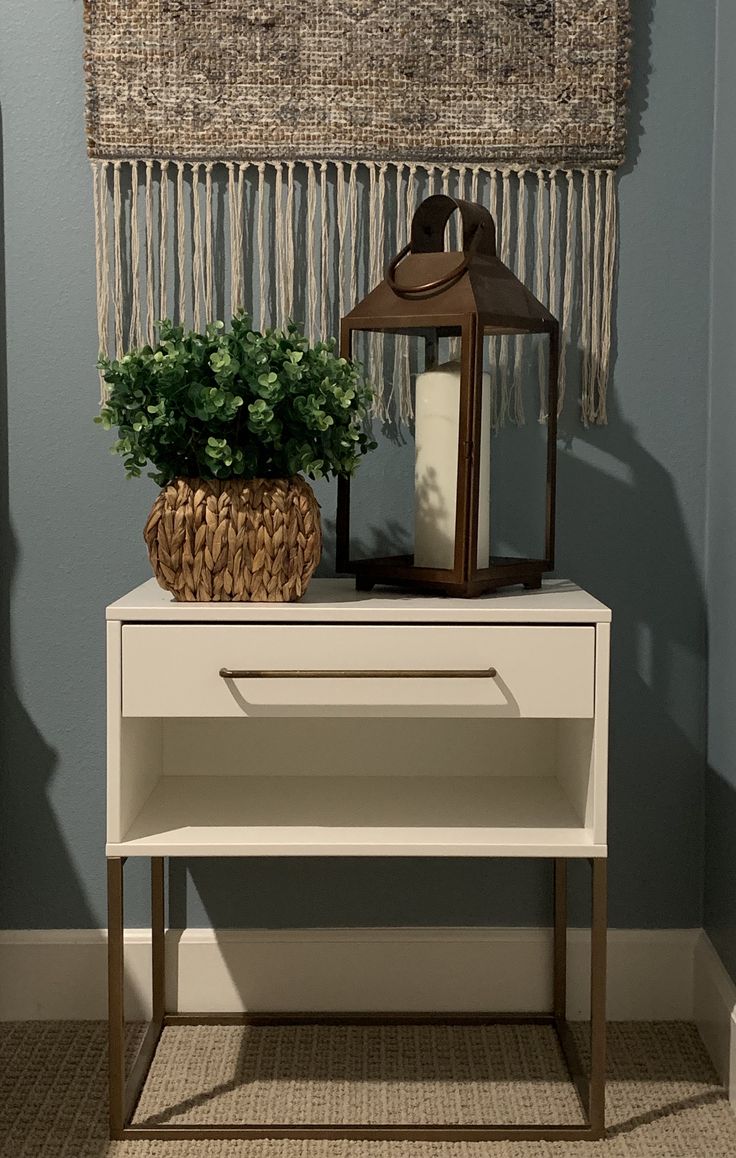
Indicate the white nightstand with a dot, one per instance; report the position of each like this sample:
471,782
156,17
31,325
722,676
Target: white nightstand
436,727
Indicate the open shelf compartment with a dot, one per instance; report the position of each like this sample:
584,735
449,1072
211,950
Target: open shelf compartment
356,787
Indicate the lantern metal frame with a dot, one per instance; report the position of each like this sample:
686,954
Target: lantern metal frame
427,293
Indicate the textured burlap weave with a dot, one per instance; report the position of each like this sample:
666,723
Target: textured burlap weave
254,539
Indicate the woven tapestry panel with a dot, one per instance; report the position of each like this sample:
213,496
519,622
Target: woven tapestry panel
268,156
537,82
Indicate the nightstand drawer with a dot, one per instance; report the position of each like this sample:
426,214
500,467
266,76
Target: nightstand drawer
245,670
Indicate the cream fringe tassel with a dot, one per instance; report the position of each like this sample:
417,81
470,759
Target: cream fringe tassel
522,211
304,241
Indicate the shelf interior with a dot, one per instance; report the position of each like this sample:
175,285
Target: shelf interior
356,787
322,813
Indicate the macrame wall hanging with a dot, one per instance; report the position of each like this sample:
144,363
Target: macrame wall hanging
269,156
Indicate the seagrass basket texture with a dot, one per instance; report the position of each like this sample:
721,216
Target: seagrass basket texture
255,540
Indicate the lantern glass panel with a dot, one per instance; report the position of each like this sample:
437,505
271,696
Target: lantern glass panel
404,497
382,500
517,472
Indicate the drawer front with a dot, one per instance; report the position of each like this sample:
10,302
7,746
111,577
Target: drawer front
175,670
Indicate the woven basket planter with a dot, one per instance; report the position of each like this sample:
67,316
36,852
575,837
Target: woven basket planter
255,540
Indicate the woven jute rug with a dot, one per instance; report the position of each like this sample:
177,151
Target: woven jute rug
268,156
534,82
663,1098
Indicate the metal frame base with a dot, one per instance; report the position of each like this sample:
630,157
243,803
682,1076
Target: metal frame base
125,1090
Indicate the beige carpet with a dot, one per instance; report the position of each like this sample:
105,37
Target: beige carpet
664,1100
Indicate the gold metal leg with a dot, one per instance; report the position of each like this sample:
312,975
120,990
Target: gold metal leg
158,941
591,1085
599,924
124,1094
559,951
115,990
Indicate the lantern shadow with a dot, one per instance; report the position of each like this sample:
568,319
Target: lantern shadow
623,536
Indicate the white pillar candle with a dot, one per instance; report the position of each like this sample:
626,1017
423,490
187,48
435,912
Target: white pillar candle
437,432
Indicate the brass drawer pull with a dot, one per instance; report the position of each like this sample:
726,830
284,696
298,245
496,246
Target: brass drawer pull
229,673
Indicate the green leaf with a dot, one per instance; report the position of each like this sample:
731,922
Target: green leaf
234,401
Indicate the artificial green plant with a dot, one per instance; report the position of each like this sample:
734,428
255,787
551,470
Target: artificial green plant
236,403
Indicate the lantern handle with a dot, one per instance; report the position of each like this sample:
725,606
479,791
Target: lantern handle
429,287
427,236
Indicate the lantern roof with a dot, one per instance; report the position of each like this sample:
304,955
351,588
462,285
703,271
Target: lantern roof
427,287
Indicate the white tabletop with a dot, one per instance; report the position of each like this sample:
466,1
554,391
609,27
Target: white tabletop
337,601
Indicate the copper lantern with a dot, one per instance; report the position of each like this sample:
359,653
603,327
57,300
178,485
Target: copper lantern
430,293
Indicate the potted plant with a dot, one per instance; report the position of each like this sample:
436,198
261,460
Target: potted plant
231,421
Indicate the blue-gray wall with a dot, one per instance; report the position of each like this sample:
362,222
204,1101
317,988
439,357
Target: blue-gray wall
631,528
720,834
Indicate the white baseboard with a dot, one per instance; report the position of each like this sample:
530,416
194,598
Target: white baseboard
62,973
715,1012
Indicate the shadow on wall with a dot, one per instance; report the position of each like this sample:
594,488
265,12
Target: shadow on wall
27,763
640,67
622,536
